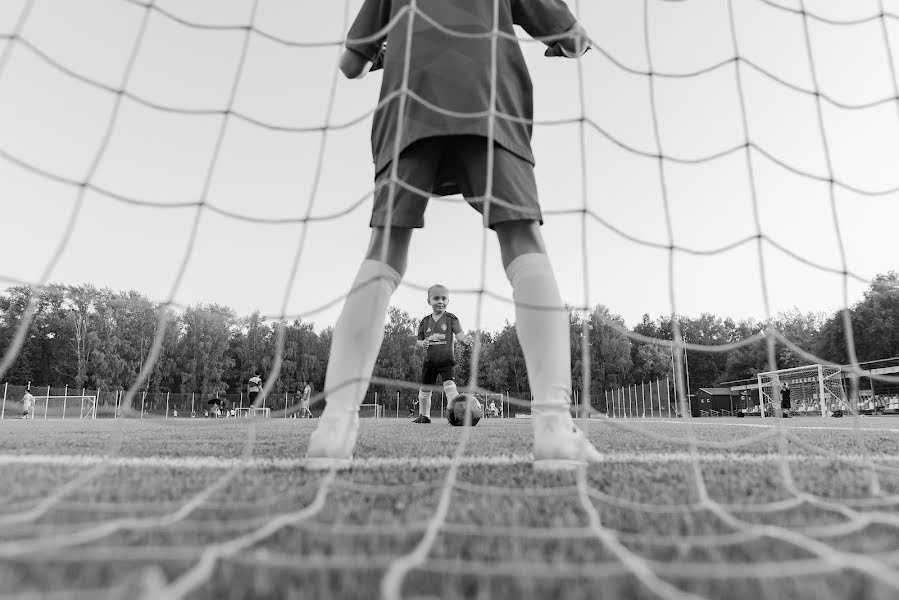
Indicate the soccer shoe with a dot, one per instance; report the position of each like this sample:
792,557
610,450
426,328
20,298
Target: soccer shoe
422,419
331,444
559,445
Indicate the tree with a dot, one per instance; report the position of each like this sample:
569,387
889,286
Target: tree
875,324
203,346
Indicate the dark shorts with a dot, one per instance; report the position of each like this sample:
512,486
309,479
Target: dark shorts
253,396
429,373
439,166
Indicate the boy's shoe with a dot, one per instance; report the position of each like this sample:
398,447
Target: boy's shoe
559,445
422,419
331,444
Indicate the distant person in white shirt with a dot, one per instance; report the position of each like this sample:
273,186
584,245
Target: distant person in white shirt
492,410
27,406
305,413
254,386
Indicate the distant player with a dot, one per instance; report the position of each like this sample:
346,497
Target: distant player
27,405
175,412
435,333
492,410
305,413
482,133
254,386
785,400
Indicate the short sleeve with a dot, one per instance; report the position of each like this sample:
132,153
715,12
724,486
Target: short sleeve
421,330
542,18
457,328
372,18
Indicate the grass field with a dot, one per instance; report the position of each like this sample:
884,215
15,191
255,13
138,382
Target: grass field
805,508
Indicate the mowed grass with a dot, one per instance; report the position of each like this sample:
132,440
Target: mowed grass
805,508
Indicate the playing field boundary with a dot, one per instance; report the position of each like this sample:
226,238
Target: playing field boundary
378,463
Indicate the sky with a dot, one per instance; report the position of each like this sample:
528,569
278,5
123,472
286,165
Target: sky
296,145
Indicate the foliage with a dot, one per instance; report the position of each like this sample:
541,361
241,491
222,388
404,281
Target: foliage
100,338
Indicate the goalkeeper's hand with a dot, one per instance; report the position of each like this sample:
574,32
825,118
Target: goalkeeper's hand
575,44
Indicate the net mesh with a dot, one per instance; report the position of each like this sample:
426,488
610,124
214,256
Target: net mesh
126,519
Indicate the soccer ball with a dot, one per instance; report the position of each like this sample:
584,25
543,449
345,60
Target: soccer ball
457,410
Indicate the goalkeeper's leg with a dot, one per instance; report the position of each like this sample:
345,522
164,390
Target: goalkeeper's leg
543,330
357,338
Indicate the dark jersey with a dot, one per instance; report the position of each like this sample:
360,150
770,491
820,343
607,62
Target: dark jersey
453,73
440,351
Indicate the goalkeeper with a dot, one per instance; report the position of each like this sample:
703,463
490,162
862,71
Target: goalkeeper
455,114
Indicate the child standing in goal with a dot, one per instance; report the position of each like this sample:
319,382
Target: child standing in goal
435,334
27,406
480,135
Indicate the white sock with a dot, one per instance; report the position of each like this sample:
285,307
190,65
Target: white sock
357,338
543,333
424,403
449,388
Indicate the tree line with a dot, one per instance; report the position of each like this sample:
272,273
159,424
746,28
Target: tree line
99,338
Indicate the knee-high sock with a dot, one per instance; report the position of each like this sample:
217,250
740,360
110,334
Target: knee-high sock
449,388
424,403
357,337
542,324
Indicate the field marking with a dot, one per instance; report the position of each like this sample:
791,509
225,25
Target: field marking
783,425
378,463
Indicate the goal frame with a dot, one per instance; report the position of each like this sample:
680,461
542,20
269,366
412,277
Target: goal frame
823,376
253,411
379,410
66,399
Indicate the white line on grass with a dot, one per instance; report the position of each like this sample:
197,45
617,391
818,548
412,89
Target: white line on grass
379,463
848,426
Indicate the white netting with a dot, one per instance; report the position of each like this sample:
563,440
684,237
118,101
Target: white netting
98,511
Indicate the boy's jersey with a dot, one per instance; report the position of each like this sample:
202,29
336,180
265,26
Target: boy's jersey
255,384
28,401
453,73
440,352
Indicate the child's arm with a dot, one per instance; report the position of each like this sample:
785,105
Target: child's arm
353,65
360,57
573,46
545,18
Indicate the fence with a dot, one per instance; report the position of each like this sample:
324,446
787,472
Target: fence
648,399
170,405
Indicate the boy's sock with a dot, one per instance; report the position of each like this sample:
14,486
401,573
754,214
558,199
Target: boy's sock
542,323
357,338
449,388
424,403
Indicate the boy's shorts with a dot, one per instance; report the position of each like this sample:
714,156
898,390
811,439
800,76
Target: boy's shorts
429,373
438,166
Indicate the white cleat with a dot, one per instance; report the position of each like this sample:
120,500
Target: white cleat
331,444
559,445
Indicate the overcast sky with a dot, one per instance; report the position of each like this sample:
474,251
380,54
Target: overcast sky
267,169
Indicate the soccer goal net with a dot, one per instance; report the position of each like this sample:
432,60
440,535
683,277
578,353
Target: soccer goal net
810,390
704,158
371,411
65,407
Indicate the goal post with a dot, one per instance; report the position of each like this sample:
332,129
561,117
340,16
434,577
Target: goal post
813,389
82,406
371,411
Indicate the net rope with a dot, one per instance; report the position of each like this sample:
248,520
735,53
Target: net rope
32,531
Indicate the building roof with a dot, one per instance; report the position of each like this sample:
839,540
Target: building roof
716,391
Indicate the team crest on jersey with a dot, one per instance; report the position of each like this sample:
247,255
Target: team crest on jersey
443,327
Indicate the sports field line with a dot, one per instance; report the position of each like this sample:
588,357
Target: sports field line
849,426
378,463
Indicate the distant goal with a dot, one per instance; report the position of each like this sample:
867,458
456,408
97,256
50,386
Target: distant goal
371,411
65,407
813,390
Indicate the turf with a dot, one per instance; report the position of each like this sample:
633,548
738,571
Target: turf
805,508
